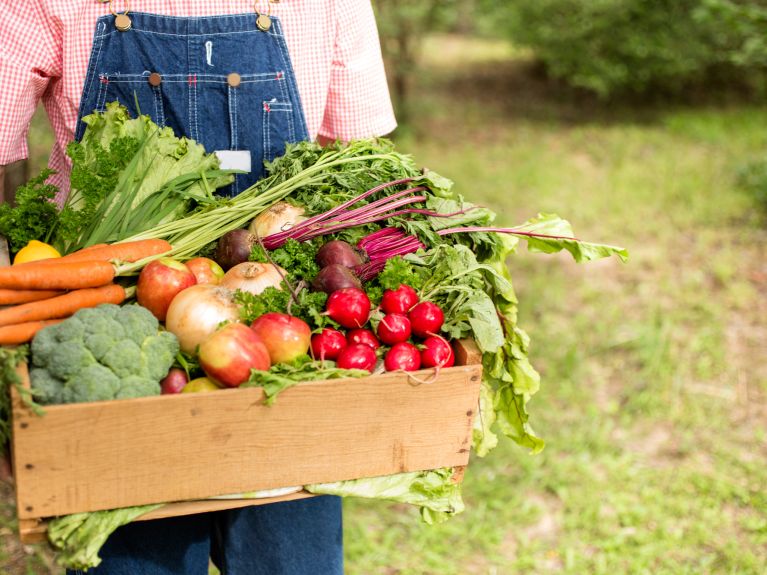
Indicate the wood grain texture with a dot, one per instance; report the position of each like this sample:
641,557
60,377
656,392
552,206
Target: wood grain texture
104,455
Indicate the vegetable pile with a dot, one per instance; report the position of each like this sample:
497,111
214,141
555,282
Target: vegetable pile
344,261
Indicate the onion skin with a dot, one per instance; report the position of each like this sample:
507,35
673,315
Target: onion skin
280,217
234,248
253,277
335,277
338,252
196,312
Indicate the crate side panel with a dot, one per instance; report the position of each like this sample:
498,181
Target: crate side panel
104,455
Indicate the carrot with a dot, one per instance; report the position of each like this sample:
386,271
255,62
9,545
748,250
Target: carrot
58,275
14,296
124,252
63,305
23,332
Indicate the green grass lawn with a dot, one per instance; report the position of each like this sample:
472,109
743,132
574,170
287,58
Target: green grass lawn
654,394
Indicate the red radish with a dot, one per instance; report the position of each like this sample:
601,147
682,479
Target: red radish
394,328
363,336
437,352
328,345
403,356
357,356
399,300
426,318
349,306
174,382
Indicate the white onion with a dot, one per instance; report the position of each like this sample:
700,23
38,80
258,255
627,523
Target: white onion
197,311
253,277
280,217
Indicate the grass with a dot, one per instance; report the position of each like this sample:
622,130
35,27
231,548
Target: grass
654,395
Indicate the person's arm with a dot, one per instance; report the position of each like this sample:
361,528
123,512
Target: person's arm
358,105
30,57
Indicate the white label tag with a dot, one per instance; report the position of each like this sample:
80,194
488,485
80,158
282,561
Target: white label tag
234,159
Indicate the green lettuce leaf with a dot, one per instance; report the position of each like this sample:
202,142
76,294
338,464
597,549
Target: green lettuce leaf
433,491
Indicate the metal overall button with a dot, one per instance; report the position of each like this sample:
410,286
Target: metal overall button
155,79
233,79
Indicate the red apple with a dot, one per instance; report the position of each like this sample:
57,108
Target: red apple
174,382
159,282
205,270
228,355
286,337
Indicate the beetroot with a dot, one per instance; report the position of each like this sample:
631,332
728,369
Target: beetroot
335,277
328,345
426,318
363,336
394,328
357,356
399,300
437,352
349,306
338,252
234,248
403,356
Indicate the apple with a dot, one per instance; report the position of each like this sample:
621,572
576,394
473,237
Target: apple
286,337
227,355
205,270
200,384
159,282
174,382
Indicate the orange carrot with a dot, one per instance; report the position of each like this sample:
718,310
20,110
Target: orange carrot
63,305
124,252
58,275
23,332
14,296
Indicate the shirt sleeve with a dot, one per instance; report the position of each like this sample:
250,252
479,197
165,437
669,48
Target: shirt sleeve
358,104
28,60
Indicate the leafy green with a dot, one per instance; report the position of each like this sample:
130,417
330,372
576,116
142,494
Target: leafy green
34,216
551,224
297,258
397,271
78,538
304,304
10,359
129,175
434,491
284,375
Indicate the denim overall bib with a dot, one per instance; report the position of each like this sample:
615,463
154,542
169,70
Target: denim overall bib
225,83
218,80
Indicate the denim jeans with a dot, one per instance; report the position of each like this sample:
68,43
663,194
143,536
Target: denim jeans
302,537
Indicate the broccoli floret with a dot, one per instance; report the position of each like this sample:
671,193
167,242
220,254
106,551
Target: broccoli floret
124,358
45,387
139,323
68,358
158,354
135,386
101,353
94,383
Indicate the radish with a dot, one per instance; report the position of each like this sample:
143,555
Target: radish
349,306
399,300
362,336
437,352
394,328
328,344
426,319
357,356
404,356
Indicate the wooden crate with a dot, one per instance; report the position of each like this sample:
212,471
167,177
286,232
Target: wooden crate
185,448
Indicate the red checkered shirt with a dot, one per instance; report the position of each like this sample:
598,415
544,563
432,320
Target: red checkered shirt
45,47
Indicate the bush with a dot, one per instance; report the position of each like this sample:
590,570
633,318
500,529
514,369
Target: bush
611,46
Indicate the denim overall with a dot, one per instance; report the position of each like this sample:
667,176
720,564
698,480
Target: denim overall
218,80
230,86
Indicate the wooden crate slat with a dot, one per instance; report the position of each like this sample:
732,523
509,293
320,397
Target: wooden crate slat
104,455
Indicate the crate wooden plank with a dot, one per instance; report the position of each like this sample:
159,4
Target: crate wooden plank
104,455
